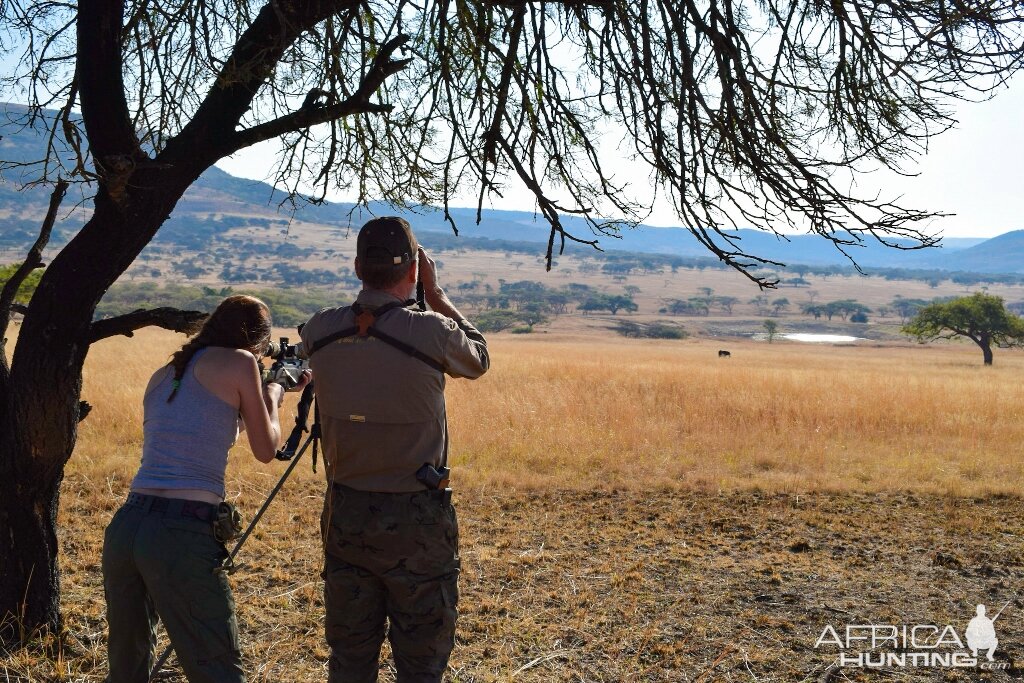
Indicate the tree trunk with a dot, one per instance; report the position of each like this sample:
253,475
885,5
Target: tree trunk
986,350
29,573
39,402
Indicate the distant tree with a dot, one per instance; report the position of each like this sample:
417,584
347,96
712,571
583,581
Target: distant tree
700,304
982,318
779,305
845,308
771,328
654,330
558,301
611,303
27,286
760,302
817,310
676,307
621,302
859,317
533,314
706,291
496,320
907,308
725,302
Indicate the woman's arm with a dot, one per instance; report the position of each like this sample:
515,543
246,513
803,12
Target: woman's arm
258,405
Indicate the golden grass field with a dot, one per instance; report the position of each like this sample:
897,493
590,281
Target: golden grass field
582,414
637,511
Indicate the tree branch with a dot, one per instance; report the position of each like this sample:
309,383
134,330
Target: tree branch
112,138
33,260
187,322
359,103
253,60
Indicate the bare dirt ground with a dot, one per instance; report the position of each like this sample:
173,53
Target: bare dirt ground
610,585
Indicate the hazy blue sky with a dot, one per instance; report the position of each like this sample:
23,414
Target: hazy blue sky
975,171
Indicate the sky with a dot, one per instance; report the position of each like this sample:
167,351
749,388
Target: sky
975,171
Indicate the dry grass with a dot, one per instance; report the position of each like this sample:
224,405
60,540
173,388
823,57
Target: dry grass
782,417
636,511
572,413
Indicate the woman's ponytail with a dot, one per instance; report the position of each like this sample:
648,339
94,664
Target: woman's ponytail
239,322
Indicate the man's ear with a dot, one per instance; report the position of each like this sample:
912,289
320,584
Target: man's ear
356,264
413,275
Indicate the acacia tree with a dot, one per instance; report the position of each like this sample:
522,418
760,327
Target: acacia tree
745,112
981,317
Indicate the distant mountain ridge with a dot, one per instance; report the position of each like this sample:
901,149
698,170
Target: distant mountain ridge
221,193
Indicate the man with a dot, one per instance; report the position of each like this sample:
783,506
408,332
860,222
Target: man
390,532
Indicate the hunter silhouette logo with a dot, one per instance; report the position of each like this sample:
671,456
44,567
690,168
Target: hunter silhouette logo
917,645
981,633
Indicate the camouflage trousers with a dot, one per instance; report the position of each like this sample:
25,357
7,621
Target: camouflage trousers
157,562
391,568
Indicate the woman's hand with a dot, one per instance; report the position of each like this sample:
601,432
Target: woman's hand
273,394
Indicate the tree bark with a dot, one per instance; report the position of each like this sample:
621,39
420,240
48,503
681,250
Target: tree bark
29,573
986,351
39,405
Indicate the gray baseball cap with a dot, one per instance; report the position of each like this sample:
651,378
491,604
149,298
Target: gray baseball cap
386,241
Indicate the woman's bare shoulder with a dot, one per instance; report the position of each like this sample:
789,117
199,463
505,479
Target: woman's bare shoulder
237,362
157,377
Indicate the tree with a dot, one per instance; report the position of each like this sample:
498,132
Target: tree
27,286
725,302
771,328
817,310
742,112
608,302
534,314
760,303
496,320
907,307
779,305
982,318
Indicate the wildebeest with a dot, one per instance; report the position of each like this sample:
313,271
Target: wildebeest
723,354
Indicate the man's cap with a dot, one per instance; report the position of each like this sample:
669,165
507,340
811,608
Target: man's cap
386,241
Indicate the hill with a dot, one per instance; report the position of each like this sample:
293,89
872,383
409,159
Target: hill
992,256
219,201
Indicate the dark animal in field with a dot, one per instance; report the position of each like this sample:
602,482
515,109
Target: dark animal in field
723,354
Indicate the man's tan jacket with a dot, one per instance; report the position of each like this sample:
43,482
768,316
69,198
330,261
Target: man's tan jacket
382,411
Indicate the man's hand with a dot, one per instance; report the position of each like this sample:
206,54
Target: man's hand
432,291
306,378
437,300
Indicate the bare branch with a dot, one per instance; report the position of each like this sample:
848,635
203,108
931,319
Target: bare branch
100,83
186,322
33,260
253,59
359,103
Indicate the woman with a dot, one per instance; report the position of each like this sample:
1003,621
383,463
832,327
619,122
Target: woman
160,552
